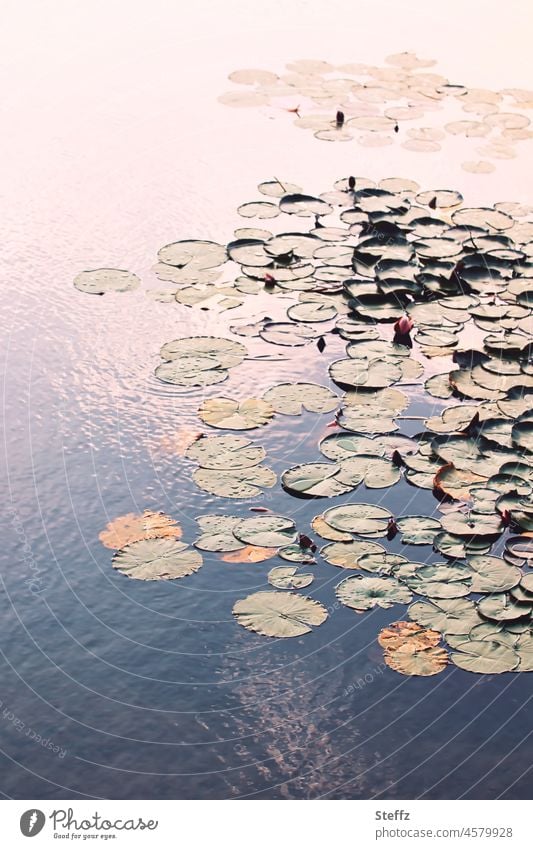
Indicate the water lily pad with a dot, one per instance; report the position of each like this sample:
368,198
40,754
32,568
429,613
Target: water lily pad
424,662
341,446
277,614
447,615
347,555
500,607
375,472
292,399
270,531
381,563
472,525
194,252
217,533
418,530
159,559
133,527
259,209
363,519
486,656
296,553
304,205
228,414
326,531
492,574
287,333
102,280
365,593
288,578
408,634
225,452
315,480
234,482
372,374
436,580
249,554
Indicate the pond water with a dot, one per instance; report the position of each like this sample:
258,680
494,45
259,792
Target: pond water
115,145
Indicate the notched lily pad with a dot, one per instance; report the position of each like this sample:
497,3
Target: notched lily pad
158,559
277,614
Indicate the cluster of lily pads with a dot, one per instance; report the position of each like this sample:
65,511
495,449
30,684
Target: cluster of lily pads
403,277
377,105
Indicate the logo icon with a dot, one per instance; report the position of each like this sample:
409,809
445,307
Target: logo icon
32,822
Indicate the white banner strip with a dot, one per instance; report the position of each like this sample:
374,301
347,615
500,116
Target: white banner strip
267,824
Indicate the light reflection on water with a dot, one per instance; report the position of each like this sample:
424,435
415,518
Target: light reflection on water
153,690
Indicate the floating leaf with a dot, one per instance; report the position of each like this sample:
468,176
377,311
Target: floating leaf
158,559
365,593
288,578
486,656
133,527
234,415
287,334
217,533
447,615
225,452
236,482
315,480
382,563
292,399
102,280
424,662
277,614
323,529
501,608
492,574
347,555
408,634
418,530
374,374
364,519
249,554
271,531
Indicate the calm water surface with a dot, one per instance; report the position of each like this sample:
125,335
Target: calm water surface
114,146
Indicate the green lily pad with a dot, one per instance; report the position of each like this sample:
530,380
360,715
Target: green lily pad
447,615
268,531
158,559
418,530
499,607
315,480
277,614
228,414
288,578
372,374
486,656
217,533
287,334
103,280
296,554
341,446
225,452
436,580
234,483
365,593
326,531
492,574
363,519
381,563
375,472
347,555
472,525
291,399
